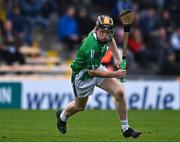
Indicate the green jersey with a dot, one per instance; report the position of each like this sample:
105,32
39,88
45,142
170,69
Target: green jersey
89,55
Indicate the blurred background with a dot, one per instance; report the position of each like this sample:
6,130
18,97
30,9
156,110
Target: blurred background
47,33
39,38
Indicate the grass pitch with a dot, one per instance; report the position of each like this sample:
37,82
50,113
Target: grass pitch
91,125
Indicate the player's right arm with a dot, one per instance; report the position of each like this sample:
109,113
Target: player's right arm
93,65
107,74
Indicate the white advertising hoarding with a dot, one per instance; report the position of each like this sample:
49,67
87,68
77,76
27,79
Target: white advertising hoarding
50,94
46,94
153,94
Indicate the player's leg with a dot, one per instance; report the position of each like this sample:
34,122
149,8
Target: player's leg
73,107
113,86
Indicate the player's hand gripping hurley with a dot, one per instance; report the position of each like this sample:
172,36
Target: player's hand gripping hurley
127,18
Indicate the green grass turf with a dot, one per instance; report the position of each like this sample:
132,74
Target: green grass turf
90,125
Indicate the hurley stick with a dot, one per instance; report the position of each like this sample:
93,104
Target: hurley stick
127,18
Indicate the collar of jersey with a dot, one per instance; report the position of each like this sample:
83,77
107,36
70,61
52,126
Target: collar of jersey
94,34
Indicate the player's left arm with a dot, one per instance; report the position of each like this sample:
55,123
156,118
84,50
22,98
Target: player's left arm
114,50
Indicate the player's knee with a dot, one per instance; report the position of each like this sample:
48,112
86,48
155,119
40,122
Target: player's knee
119,95
119,92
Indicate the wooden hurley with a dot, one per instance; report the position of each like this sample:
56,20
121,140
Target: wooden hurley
127,19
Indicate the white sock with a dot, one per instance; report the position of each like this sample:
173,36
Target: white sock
63,117
124,125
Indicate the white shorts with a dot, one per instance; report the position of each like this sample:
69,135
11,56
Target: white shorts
85,88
